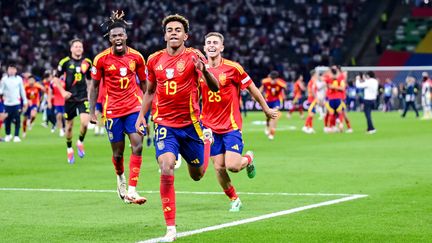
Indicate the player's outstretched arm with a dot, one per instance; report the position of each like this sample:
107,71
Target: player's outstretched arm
141,124
94,92
256,94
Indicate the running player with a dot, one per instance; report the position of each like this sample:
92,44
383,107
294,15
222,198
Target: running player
173,82
33,92
117,67
76,71
311,102
56,104
273,88
297,104
221,113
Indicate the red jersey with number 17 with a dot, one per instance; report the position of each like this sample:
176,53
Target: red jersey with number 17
221,110
175,103
118,74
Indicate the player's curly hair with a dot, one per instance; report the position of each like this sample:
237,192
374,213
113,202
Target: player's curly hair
114,21
178,18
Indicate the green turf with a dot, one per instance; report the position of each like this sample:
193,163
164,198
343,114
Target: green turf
393,167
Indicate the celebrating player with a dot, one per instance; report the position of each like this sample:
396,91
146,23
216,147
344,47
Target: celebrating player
312,102
76,71
173,81
33,91
221,113
273,88
118,67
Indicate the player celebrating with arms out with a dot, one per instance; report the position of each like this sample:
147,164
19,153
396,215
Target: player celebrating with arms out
173,82
221,113
118,67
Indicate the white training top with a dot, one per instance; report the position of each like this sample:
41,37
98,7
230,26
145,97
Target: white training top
12,89
370,86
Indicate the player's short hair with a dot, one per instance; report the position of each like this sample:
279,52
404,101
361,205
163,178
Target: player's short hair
312,72
71,42
371,74
12,64
274,74
217,34
176,18
114,21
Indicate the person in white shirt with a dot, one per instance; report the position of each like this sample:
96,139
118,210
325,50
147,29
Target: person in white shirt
426,96
12,89
370,86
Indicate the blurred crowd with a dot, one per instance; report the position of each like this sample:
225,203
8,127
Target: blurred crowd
290,36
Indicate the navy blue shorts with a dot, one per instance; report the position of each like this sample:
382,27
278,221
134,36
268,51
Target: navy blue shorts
118,127
59,109
29,109
99,107
274,104
335,105
186,141
2,109
231,141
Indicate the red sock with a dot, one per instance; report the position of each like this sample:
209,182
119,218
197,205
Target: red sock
231,193
1,123
308,121
134,169
249,159
301,110
348,123
326,119
24,124
332,120
167,194
118,166
341,117
32,120
207,146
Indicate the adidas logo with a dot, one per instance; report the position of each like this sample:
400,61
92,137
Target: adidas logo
236,147
112,68
159,68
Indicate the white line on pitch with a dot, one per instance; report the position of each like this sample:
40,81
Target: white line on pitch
178,192
262,217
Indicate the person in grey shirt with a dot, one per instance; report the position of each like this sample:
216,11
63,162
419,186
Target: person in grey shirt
12,90
370,86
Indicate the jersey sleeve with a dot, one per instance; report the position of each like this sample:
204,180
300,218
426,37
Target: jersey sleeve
97,69
87,73
141,68
242,77
151,76
61,68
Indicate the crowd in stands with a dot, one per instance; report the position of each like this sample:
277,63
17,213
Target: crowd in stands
290,36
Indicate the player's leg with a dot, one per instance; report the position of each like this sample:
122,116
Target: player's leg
83,109
70,113
135,159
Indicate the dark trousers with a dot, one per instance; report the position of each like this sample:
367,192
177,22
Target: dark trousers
13,117
368,106
407,105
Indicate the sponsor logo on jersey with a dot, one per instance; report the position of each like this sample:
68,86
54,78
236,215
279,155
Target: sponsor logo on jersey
159,68
112,68
180,66
123,71
169,73
236,147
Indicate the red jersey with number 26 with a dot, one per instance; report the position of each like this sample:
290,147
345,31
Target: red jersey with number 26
175,103
119,73
221,110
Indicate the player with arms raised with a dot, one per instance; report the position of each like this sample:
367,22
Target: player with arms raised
221,113
118,67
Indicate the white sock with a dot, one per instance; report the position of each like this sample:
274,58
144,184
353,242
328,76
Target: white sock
131,189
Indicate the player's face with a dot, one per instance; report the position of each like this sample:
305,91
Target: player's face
213,46
77,49
175,34
31,81
118,39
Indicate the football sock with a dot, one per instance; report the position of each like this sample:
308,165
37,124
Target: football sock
69,142
81,137
231,193
134,169
167,194
24,124
341,117
348,123
207,146
249,159
118,165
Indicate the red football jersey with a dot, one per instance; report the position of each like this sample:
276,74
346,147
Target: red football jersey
273,89
311,89
336,81
175,103
33,93
298,92
118,74
102,93
221,109
57,98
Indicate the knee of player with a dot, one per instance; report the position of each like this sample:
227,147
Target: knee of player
196,177
137,149
233,168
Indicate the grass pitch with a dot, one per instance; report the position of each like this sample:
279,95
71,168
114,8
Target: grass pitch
393,167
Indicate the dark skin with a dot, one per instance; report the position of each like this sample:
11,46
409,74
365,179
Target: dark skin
117,38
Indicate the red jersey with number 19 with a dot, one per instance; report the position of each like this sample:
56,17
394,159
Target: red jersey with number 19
175,103
221,110
119,73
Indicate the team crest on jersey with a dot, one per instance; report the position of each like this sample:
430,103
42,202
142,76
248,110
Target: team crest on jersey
84,67
78,69
180,66
123,71
222,78
169,73
132,65
161,145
